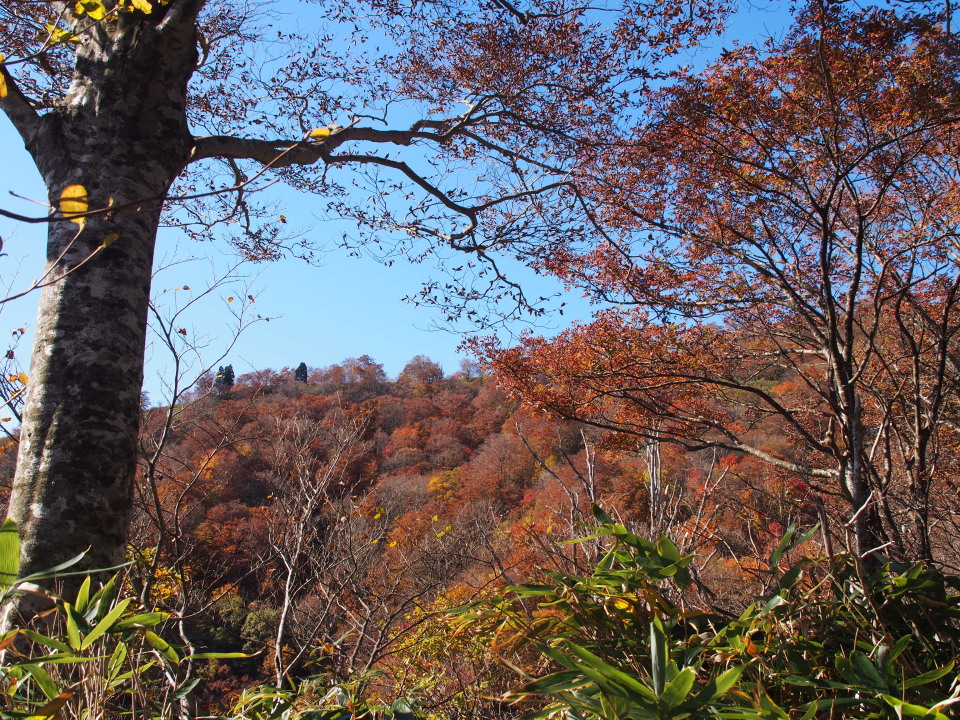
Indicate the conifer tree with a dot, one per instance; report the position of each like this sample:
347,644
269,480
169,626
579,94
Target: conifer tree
300,374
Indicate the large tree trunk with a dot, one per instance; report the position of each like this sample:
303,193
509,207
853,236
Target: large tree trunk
77,458
121,134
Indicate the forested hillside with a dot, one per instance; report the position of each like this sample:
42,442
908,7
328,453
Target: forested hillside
318,525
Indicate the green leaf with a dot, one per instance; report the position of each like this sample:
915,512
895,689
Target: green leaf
73,628
43,680
145,620
717,687
162,646
218,656
186,689
658,656
83,596
678,689
9,554
604,674
116,661
868,674
48,641
104,625
103,599
927,677
905,709
668,549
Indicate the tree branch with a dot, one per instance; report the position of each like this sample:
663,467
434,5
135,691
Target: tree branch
284,153
16,107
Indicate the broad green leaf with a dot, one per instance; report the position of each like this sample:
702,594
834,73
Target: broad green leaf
186,689
678,689
116,661
73,628
868,673
556,683
43,680
106,624
668,549
9,554
56,570
102,600
48,641
162,646
905,709
608,673
219,656
145,620
717,687
927,677
83,596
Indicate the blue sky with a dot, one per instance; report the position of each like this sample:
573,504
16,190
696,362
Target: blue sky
346,307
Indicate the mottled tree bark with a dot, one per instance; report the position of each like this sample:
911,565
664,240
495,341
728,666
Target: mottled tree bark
122,134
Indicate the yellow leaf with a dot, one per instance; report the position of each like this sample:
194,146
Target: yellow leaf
59,35
73,200
393,544
22,377
3,86
142,5
320,133
109,240
436,518
93,8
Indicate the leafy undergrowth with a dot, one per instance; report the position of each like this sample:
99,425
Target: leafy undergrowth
623,641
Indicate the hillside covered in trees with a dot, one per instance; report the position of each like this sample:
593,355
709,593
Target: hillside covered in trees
323,525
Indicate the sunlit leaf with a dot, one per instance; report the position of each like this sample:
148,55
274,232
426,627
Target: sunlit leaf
73,201
9,554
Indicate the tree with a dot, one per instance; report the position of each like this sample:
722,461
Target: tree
781,261
137,109
300,374
223,382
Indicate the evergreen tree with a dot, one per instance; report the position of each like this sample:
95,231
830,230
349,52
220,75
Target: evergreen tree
300,374
224,380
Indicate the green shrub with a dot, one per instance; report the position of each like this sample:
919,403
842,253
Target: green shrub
827,643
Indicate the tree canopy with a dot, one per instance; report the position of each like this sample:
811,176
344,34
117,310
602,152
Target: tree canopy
780,256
